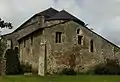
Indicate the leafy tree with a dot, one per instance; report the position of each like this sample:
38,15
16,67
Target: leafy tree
4,24
3,41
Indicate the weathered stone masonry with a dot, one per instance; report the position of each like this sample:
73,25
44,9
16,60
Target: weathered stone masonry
59,54
68,53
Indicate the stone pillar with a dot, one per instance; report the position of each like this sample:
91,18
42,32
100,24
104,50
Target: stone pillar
42,60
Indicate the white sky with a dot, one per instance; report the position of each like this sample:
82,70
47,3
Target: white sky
101,15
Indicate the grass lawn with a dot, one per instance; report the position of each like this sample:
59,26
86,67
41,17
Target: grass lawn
80,78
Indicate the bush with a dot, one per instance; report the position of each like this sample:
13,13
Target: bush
68,71
110,67
26,68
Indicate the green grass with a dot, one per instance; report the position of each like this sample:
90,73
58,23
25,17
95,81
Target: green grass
80,78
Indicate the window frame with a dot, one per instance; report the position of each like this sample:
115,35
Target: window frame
78,31
58,37
80,39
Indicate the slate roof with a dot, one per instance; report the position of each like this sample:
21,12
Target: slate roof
28,30
64,15
47,13
50,15
21,31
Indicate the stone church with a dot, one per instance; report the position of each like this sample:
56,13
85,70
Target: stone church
52,40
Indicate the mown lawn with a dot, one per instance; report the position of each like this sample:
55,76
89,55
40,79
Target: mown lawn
81,78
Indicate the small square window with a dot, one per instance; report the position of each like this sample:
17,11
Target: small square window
58,37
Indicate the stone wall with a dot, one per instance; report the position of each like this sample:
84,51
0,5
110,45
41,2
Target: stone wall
69,53
30,50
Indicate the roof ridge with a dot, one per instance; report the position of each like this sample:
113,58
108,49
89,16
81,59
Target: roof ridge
65,15
50,8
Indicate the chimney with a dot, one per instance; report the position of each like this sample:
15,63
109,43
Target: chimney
41,21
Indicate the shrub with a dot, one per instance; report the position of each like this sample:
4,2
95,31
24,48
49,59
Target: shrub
68,71
25,68
89,72
110,67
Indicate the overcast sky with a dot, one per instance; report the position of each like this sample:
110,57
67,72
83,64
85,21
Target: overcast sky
101,15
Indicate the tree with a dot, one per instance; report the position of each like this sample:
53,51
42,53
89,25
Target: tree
5,24
3,42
